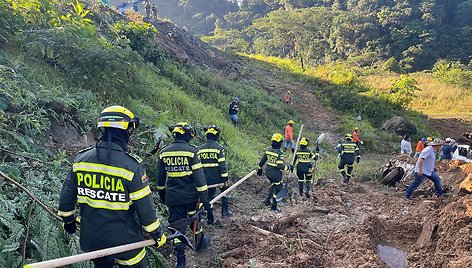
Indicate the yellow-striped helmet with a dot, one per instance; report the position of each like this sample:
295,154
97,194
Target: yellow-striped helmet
117,117
182,128
212,129
348,136
290,122
304,141
277,137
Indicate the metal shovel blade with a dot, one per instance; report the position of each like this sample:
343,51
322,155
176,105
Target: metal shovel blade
282,193
180,236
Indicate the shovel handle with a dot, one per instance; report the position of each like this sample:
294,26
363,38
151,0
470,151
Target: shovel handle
96,254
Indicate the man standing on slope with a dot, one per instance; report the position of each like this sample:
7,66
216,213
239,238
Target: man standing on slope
406,146
349,152
112,189
233,110
212,155
182,187
424,169
289,136
355,137
272,158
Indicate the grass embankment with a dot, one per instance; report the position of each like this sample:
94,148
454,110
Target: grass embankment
436,98
66,69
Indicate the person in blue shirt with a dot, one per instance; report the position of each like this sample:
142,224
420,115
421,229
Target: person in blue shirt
424,169
447,150
233,110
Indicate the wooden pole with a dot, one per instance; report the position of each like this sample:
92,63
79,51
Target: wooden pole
296,145
216,185
218,197
90,255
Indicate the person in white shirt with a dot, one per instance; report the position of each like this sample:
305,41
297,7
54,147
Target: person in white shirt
406,145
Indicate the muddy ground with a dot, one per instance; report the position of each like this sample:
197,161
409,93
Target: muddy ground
362,215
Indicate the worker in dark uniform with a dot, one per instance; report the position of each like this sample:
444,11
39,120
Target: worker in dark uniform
182,187
349,152
213,159
272,158
304,162
112,190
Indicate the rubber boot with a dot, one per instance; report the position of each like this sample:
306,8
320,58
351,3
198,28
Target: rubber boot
274,206
293,150
225,208
181,259
308,186
204,242
267,200
300,188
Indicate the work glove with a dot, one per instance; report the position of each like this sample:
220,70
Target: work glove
162,196
70,225
362,142
159,237
259,172
358,160
227,183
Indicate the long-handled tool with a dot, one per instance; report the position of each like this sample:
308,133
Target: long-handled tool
315,168
106,252
183,223
283,193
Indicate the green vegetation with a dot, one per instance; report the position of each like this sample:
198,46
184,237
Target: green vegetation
415,33
58,67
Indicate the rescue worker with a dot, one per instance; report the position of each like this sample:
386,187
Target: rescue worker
405,145
182,187
213,159
288,97
154,11
424,169
355,137
233,110
304,162
272,158
112,190
147,8
349,152
289,136
419,147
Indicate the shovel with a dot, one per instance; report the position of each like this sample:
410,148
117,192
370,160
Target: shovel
106,252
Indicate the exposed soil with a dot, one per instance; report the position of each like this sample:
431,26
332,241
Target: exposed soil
450,127
433,232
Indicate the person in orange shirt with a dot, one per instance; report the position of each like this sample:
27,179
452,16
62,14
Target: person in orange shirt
355,137
289,136
288,97
419,147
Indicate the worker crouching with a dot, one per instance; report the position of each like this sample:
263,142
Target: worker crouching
305,161
182,187
272,158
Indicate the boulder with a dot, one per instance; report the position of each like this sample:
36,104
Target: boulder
399,125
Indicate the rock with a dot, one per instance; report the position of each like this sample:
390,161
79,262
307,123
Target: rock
400,126
466,184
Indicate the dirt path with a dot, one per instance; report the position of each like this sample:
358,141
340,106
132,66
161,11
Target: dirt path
363,215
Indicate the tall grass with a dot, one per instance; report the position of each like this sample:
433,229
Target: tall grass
436,99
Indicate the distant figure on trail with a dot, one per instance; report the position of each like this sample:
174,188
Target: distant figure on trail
288,97
355,137
233,110
111,188
406,145
424,169
289,136
135,6
419,147
154,11
147,8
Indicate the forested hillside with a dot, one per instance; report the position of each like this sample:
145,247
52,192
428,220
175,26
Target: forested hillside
415,33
